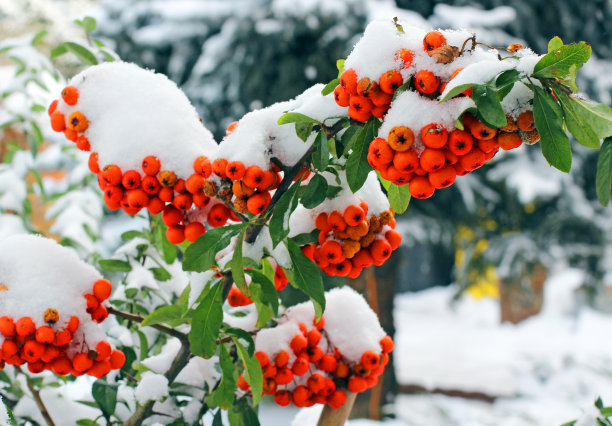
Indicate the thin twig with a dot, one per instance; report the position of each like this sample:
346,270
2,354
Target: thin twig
37,398
139,319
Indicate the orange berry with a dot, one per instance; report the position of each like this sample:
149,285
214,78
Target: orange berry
460,142
258,202
117,359
353,215
151,165
433,40
113,194
381,149
102,289
172,216
421,188
61,366
321,222
70,95
380,250
432,159
242,383
390,81
195,184
342,370
45,334
489,145
360,104
406,162
406,56
434,135
308,251
282,398
218,215
73,324
9,348
316,383
348,81
370,360
332,251
52,107
280,279
525,121
71,135
93,163
283,376
386,344
357,384
253,176
235,170
175,234
298,343
328,363
300,366
443,177
480,131
111,174
262,357
137,198
166,194
150,185
472,160
98,315
230,128
202,166
508,141
362,259
282,358
82,362
193,231
7,326
219,166
33,350
103,350
25,326
300,394
58,121
380,99
78,122
336,399
131,179
426,82
167,178
182,202
236,298
100,369
401,138
355,271
36,367
313,337
341,96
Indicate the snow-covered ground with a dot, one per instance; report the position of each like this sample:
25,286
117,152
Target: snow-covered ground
545,371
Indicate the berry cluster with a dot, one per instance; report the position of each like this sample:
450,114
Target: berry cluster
316,372
76,124
350,241
60,348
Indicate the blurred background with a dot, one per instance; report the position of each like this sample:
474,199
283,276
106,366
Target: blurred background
500,297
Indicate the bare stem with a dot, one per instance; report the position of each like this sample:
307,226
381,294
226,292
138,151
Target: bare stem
37,398
139,319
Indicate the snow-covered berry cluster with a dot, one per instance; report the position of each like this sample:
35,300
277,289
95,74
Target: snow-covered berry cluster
307,362
424,142
49,319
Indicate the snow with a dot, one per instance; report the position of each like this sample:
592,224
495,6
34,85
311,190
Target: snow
133,113
468,17
4,417
199,372
161,362
151,387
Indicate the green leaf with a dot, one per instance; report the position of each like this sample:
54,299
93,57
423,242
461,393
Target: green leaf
548,117
597,116
200,256
562,62
555,43
242,414
58,51
11,415
81,52
105,394
575,121
320,158
279,223
603,181
167,249
330,87
115,265
38,37
505,82
344,143
303,130
217,420
160,274
399,197
130,235
252,372
265,296
87,422
606,411
206,322
237,266
488,104
244,335
315,193
88,24
357,166
295,117
223,396
405,86
307,277
340,66
165,314
457,90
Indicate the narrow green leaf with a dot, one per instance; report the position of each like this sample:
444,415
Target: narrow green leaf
405,86
330,87
279,223
559,62
115,265
237,266
399,197
575,121
242,414
488,104
555,43
58,51
548,117
217,420
252,372
320,158
244,335
357,166
295,117
603,181
105,394
38,37
86,422
606,411
597,116
315,193
130,235
307,277
457,90
11,416
81,52
165,314
343,144
200,256
160,274
265,293
206,322
505,82
223,396
340,66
